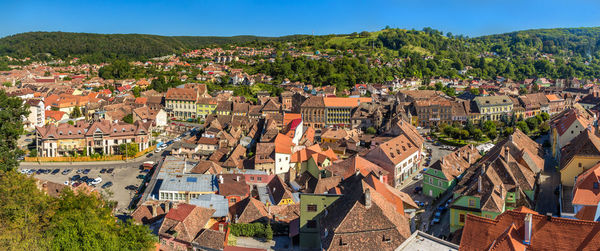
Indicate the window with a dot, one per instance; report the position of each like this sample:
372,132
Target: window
461,218
471,202
579,165
311,208
342,243
595,185
386,238
233,200
251,178
259,178
311,224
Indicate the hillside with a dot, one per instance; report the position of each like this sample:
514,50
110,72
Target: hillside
101,47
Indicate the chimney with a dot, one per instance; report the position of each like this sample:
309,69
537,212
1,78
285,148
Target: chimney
154,210
367,198
237,178
506,154
469,157
479,184
528,229
381,176
167,206
221,180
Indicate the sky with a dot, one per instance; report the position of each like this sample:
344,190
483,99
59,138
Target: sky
287,17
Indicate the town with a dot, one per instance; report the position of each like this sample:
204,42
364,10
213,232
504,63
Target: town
230,159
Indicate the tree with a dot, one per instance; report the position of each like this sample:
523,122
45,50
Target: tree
544,127
371,130
477,134
522,125
7,84
33,153
11,127
128,118
532,123
508,131
364,34
474,91
268,232
544,116
136,91
129,149
76,113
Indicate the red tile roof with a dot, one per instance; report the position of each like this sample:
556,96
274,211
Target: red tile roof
549,233
584,192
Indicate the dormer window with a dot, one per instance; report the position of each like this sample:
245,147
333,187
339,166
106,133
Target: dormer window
123,130
115,130
595,185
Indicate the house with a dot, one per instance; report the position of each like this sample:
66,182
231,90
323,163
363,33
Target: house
205,107
534,104
233,187
590,100
361,219
586,195
283,153
312,207
250,210
207,146
555,103
581,154
181,103
217,202
279,192
524,229
37,114
224,108
399,156
101,136
182,224
445,173
53,117
146,114
423,241
501,180
350,166
184,187
493,107
566,126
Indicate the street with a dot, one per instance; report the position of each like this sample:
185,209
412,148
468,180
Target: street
547,200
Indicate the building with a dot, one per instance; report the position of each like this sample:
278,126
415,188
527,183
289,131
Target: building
312,208
185,187
181,103
37,114
318,112
182,225
524,229
399,156
493,107
363,218
205,107
433,112
233,187
586,195
98,137
581,154
555,103
424,242
501,180
566,126
534,104
445,173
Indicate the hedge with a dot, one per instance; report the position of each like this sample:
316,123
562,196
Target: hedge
251,230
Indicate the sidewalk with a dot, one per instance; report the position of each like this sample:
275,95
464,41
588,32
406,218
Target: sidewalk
85,163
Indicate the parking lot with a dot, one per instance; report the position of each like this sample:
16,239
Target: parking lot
121,177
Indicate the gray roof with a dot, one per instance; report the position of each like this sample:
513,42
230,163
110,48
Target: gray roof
492,101
199,183
263,194
425,242
214,201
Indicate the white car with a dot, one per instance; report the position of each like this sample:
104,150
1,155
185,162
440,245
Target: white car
24,171
66,183
96,181
158,149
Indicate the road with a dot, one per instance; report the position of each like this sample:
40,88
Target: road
547,200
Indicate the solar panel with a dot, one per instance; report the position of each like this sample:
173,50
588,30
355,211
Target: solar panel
192,179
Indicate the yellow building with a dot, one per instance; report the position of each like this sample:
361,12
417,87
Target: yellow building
493,107
580,155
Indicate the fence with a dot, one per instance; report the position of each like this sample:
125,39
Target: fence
88,158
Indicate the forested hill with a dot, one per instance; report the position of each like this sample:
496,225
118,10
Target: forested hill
100,47
553,53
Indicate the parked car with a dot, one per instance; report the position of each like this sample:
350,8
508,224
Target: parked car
66,171
418,190
75,177
110,170
86,171
418,176
96,181
149,155
79,171
103,171
55,171
39,171
107,185
66,183
420,203
131,187
141,176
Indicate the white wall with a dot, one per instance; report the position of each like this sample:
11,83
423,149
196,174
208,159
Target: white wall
282,163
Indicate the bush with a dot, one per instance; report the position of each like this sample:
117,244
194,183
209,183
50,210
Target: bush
248,229
268,232
371,130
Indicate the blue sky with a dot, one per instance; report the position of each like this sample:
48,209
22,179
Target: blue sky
285,17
